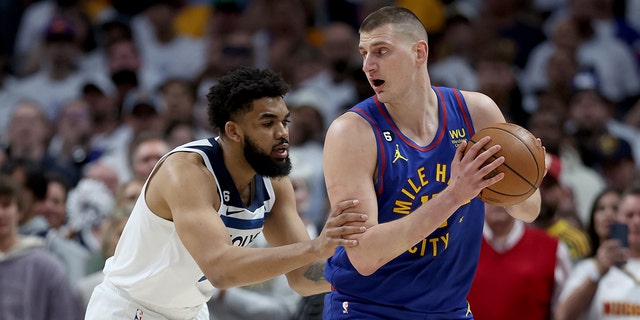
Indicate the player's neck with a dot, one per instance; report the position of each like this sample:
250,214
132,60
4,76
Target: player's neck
240,170
416,115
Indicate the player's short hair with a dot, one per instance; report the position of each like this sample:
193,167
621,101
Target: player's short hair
403,20
235,92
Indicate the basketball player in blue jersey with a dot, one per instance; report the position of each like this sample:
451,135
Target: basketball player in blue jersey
400,153
208,199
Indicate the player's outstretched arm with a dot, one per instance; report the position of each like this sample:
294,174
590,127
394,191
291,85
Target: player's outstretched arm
349,164
284,226
184,191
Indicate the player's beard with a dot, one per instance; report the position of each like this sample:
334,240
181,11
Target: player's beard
263,163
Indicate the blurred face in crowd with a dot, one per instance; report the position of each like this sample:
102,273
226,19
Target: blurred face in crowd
55,211
146,155
74,124
128,193
28,126
605,213
123,55
179,99
9,217
629,213
498,220
589,111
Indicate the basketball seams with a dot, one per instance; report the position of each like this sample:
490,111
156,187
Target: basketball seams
533,185
502,197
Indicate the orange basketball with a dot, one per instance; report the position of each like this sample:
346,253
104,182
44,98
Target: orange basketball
523,165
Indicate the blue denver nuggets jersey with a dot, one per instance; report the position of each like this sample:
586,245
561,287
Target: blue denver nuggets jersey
433,276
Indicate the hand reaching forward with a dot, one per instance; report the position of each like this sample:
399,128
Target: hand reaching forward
468,170
339,225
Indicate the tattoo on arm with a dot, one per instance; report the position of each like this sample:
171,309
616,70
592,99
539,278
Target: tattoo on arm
315,272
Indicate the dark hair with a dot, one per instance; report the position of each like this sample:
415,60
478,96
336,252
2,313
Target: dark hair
9,189
401,18
235,92
594,239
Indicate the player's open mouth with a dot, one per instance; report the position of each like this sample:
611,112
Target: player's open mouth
377,82
281,151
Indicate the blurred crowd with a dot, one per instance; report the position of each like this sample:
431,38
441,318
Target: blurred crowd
94,92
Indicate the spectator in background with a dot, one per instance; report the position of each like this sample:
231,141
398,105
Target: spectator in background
557,214
306,135
88,204
453,61
73,255
112,226
34,193
146,149
6,94
611,59
108,134
179,133
28,134
507,280
498,80
162,50
592,120
127,70
547,123
70,145
59,80
329,77
179,98
606,287
142,111
34,284
616,164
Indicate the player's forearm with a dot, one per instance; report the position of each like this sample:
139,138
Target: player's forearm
309,279
527,210
238,266
383,242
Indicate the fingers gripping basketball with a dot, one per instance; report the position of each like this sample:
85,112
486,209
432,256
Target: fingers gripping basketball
523,168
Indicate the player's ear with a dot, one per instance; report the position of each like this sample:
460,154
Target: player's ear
422,51
233,131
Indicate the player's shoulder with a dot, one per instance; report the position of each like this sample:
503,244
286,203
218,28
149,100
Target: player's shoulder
483,110
477,99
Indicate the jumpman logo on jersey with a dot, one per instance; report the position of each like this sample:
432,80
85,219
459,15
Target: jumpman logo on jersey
398,155
468,309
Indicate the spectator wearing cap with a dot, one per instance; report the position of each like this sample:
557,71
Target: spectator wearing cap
613,157
142,111
591,117
558,214
585,182
58,81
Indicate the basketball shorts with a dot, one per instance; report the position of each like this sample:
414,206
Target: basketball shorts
338,306
111,303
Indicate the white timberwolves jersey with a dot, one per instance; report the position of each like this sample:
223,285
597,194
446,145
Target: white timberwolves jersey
152,265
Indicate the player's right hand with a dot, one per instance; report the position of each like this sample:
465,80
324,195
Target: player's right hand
468,170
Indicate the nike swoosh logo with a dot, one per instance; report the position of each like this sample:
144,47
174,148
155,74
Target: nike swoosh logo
230,212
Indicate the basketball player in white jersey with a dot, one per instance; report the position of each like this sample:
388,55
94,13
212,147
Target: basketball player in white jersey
205,201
